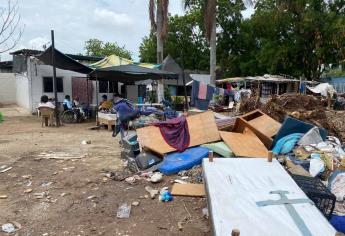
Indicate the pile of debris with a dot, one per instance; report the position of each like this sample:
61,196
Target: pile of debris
307,108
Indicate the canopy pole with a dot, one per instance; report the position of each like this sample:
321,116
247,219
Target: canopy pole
96,109
184,82
55,81
87,94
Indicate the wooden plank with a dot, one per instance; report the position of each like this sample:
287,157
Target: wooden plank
245,144
193,190
202,129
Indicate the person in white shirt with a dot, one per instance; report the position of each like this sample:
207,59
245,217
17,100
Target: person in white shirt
45,102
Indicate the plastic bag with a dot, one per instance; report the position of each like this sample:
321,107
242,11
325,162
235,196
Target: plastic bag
123,211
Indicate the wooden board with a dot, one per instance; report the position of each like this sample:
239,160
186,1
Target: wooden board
262,122
234,185
202,129
245,144
193,190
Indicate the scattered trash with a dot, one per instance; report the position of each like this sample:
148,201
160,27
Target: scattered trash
3,196
46,184
5,169
8,228
123,211
40,195
179,181
91,197
156,177
61,156
29,190
316,165
205,212
135,203
165,196
179,225
26,176
151,191
146,174
132,179
84,142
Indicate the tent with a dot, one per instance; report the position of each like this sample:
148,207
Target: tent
62,61
129,74
114,60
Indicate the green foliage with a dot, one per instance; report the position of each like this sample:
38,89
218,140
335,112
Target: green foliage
296,38
96,47
1,117
184,42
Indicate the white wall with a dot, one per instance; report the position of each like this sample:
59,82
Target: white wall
7,88
22,91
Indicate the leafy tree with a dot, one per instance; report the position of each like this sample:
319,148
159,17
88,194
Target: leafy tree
184,42
96,47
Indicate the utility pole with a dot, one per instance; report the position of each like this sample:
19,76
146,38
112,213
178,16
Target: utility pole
55,81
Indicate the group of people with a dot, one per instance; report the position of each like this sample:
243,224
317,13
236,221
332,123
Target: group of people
67,103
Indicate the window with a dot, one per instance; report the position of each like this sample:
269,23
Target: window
48,85
103,87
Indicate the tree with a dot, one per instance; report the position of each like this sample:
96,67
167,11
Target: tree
96,47
184,37
158,12
10,28
212,11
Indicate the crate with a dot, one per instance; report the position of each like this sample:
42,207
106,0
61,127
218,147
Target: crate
317,192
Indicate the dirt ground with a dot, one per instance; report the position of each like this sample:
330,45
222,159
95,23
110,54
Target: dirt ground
78,199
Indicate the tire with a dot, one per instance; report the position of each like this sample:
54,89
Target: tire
68,117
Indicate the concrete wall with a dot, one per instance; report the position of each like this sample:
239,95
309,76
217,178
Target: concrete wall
7,88
22,91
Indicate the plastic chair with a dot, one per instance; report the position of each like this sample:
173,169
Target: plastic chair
47,115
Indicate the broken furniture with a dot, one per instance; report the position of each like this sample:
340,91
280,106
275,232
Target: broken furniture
107,119
245,144
47,115
202,129
235,185
264,127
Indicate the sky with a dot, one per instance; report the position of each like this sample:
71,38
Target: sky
75,21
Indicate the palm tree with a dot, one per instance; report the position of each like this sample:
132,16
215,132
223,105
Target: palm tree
158,12
210,25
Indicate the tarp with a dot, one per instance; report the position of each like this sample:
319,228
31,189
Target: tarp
322,89
129,74
114,60
62,61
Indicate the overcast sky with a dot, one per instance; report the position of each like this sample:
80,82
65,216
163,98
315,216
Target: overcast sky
75,21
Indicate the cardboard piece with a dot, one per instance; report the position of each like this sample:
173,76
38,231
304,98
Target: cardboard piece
245,144
193,190
202,129
261,124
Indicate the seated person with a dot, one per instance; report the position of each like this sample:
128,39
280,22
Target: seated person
67,104
45,102
76,102
105,104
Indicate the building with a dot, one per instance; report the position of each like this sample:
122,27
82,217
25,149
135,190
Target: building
26,79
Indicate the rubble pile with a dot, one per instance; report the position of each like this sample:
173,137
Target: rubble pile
307,108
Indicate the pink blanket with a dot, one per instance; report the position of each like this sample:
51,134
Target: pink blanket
202,91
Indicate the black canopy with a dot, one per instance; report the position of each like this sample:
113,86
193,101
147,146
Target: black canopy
62,61
130,74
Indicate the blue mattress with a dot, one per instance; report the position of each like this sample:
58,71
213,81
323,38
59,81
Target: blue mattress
177,161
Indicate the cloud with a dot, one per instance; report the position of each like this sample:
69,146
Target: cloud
37,43
106,17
